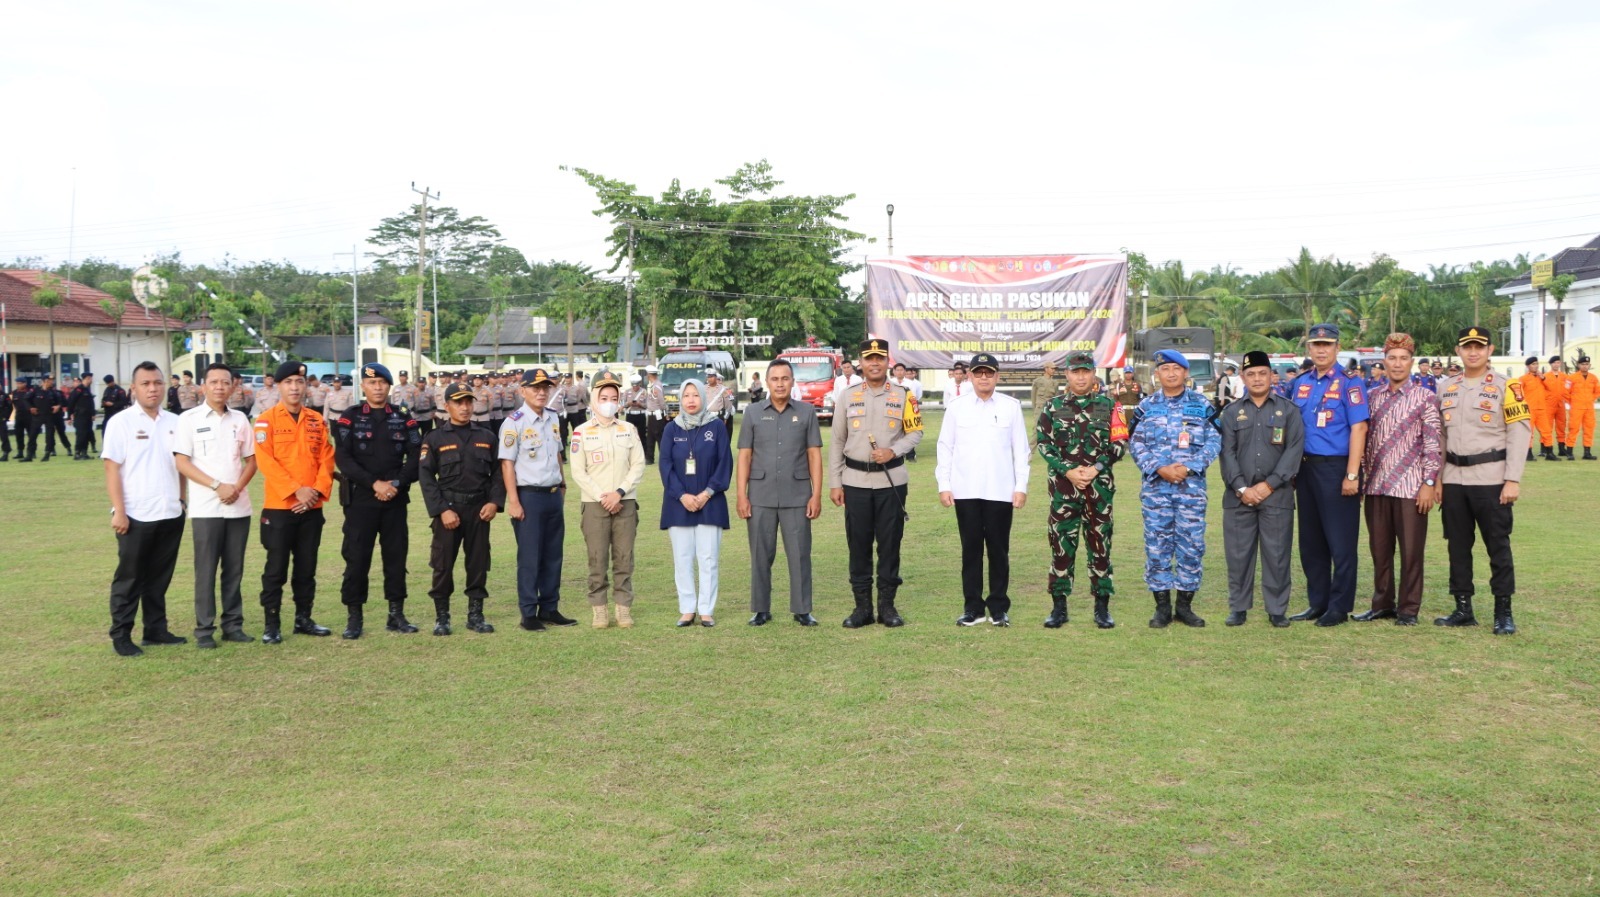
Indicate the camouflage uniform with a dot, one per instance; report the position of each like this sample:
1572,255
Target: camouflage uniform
1076,431
1183,430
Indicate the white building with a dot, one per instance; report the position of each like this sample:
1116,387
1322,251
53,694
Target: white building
1535,314
87,338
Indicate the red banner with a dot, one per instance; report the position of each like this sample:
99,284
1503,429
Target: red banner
1025,310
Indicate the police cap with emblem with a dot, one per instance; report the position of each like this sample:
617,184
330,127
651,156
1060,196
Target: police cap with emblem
455,392
1168,356
1323,333
983,361
604,379
536,377
1256,359
875,347
1472,335
370,371
290,369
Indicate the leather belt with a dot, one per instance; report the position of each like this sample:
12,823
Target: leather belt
550,489
870,467
465,498
1473,460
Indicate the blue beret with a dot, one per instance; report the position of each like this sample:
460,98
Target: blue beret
376,370
1168,356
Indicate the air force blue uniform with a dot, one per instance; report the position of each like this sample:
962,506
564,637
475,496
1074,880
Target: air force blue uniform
1330,404
1174,430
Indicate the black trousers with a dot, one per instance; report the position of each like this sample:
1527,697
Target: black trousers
874,516
447,543
1466,511
656,427
146,556
1330,528
641,424
288,536
424,422
18,435
58,428
83,423
364,523
985,526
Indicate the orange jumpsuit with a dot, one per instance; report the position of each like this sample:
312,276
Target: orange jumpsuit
1555,400
1585,389
1533,391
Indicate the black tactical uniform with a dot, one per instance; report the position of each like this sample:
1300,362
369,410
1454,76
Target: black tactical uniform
375,445
80,404
112,400
459,472
5,418
22,404
46,406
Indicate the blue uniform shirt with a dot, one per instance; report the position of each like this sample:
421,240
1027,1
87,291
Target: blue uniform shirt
1178,429
1330,405
1426,381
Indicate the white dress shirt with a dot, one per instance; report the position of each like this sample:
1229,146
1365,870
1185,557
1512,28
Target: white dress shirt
983,448
843,382
143,446
218,445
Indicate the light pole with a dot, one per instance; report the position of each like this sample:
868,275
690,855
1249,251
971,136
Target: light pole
1144,308
889,210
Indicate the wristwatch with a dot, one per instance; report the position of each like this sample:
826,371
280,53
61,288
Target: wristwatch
1427,482
1352,477
215,485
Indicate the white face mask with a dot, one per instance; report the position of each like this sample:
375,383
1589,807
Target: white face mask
606,410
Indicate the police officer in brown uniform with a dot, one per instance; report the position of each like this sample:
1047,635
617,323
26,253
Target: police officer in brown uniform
879,426
1486,431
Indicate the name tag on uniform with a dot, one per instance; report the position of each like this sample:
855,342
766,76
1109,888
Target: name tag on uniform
689,466
1277,436
1183,439
1322,418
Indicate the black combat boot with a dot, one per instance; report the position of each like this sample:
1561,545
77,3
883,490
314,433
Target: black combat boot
1185,613
441,624
1503,624
5,455
1546,453
887,615
46,457
1589,455
1561,450
1058,613
397,618
304,625
475,620
1163,610
862,616
272,634
1530,453
1102,612
353,623
1461,616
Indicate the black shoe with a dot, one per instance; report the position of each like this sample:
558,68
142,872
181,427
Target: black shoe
304,625
1000,619
238,635
206,642
1278,621
1058,613
353,624
1310,613
475,620
554,618
1331,620
685,624
46,457
1530,455
968,620
26,459
806,620
887,615
163,638
1405,620
1102,612
441,624
1163,615
533,624
397,619
760,618
1461,616
862,615
707,623
1588,455
1374,614
271,635
1235,618
1547,454
125,646
1185,614
1503,623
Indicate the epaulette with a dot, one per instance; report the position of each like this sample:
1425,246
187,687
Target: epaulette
516,415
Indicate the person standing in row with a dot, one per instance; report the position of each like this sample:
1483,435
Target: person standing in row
696,468
337,399
1175,441
608,465
1402,483
1557,397
147,506
958,382
1263,439
576,401
779,488
1127,392
1328,487
655,408
462,488
47,417
215,451
846,378
403,395
188,392
718,400
1580,419
423,402
756,391
80,406
266,397
240,396
5,415
296,460
172,395
1485,427
633,402
1230,386
535,489
982,472
1045,387
113,399
878,425
376,447
22,409
1533,392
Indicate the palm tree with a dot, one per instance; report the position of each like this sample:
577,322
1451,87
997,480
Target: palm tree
1309,278
1177,296
1236,320
121,292
47,295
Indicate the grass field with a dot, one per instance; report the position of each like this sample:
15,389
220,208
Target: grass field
1367,759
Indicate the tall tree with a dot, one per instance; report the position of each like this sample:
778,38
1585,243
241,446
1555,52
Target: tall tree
47,295
454,242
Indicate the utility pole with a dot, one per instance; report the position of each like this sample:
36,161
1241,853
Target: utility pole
627,317
435,343
422,256
889,209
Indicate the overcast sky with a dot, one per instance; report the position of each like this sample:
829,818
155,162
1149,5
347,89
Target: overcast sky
1211,132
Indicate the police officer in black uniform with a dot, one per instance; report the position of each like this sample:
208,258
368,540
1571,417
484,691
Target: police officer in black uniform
22,404
375,447
463,489
46,402
112,400
80,404
5,418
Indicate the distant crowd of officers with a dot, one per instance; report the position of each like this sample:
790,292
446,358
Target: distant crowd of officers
1330,445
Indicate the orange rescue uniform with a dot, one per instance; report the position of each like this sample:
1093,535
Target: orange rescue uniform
1585,389
1555,400
1533,392
293,453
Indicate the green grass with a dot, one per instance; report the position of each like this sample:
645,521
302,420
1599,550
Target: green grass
926,760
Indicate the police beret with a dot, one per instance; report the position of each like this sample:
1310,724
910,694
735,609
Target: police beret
457,391
875,347
1080,361
1532,360
1472,334
109,379
1256,359
983,361
1323,333
369,371
536,377
290,369
1167,356
1555,358
1583,359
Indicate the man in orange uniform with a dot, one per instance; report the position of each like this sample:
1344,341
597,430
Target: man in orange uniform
1580,420
295,456
1533,393
1557,389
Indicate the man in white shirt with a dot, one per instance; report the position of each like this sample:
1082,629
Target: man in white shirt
982,471
958,383
847,378
216,451
146,511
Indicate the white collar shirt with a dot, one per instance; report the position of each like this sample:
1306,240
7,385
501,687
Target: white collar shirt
983,448
218,445
142,445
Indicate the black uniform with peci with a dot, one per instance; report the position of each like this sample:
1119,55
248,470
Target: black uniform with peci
460,472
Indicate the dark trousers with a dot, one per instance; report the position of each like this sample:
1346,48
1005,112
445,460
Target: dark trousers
985,526
763,528
219,541
288,536
656,427
1392,520
34,426
1246,532
539,537
1330,525
424,422
874,516
1466,507
19,435
474,534
58,429
363,524
641,423
83,423
146,556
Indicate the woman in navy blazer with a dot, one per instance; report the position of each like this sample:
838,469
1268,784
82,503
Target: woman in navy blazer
696,468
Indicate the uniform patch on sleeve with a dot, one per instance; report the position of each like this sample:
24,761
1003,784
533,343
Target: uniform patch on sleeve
911,421
1515,408
1119,427
261,436
511,439
1356,398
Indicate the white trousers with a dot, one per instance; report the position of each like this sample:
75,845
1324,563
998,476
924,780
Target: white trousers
691,544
